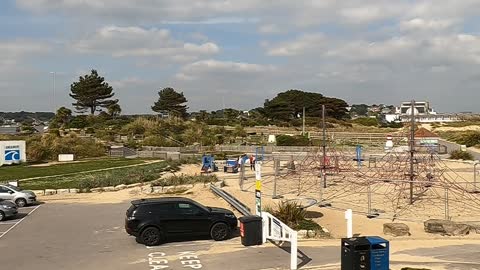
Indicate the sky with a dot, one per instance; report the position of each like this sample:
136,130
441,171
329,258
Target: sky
239,53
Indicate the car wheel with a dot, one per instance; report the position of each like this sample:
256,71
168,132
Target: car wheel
2,216
151,236
21,202
219,231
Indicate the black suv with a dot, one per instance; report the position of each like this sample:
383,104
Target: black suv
153,220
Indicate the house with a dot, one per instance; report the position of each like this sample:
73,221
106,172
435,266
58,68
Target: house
9,130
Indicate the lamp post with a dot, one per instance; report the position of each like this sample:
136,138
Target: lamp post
54,86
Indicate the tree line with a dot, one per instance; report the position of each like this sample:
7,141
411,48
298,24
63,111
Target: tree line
93,94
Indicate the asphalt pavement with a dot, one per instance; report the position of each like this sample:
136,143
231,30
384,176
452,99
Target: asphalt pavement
61,236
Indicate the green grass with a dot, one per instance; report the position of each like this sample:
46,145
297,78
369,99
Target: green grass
114,177
26,171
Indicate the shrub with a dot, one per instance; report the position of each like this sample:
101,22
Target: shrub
366,121
290,213
285,140
458,154
308,224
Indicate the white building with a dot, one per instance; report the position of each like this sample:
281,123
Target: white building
423,112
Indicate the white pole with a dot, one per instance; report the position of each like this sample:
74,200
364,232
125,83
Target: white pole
293,251
348,217
54,90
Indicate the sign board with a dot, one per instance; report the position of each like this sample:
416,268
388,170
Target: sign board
276,228
258,188
65,157
258,170
12,152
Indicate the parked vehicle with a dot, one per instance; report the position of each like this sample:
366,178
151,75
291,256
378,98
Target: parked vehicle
7,209
153,220
15,194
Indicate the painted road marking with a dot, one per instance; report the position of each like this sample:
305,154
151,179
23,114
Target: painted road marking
15,225
188,259
8,223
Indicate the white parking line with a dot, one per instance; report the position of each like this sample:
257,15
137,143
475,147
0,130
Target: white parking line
8,223
15,225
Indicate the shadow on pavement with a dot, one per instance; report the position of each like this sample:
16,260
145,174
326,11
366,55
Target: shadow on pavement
304,259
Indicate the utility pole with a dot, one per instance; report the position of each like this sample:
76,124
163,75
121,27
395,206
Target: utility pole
324,146
54,90
303,127
412,149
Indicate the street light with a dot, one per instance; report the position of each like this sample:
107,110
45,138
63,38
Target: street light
54,103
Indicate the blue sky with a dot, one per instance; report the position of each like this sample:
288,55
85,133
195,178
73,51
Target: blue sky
243,51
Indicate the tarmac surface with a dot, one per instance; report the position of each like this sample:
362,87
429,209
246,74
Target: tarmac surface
58,236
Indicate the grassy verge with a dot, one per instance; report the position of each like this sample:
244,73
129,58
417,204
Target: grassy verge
185,180
25,171
86,181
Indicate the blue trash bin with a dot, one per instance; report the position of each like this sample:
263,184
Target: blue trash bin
379,253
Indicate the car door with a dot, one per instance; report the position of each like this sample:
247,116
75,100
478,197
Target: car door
191,219
6,193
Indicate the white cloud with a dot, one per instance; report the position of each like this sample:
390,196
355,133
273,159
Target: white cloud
269,29
197,69
299,46
12,52
140,42
426,25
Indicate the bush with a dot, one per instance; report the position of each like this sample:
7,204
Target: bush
285,140
366,121
288,212
469,139
49,146
458,154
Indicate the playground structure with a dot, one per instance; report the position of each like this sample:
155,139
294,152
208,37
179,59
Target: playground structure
408,182
208,164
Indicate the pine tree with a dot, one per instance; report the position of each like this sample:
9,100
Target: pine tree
92,92
171,101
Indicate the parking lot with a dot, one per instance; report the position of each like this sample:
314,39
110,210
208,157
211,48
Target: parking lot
8,225
57,236
91,236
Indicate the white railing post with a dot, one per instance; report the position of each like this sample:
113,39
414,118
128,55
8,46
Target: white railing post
265,228
348,217
293,251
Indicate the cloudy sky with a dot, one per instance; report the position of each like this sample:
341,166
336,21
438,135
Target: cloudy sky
241,52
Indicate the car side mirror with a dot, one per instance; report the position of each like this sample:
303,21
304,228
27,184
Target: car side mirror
11,192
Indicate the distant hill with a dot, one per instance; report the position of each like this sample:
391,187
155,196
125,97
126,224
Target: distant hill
27,116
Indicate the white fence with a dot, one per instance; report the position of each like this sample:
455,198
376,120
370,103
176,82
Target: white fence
275,230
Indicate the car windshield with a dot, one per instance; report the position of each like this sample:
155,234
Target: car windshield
14,187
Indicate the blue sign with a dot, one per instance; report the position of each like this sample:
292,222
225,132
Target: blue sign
12,155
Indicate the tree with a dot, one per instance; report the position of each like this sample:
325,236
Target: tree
360,109
91,92
114,110
62,118
289,105
172,102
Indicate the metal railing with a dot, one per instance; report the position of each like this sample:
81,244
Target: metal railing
239,206
275,230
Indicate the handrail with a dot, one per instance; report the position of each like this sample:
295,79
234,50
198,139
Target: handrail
274,229
239,206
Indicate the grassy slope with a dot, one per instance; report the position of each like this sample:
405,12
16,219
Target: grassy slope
25,171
